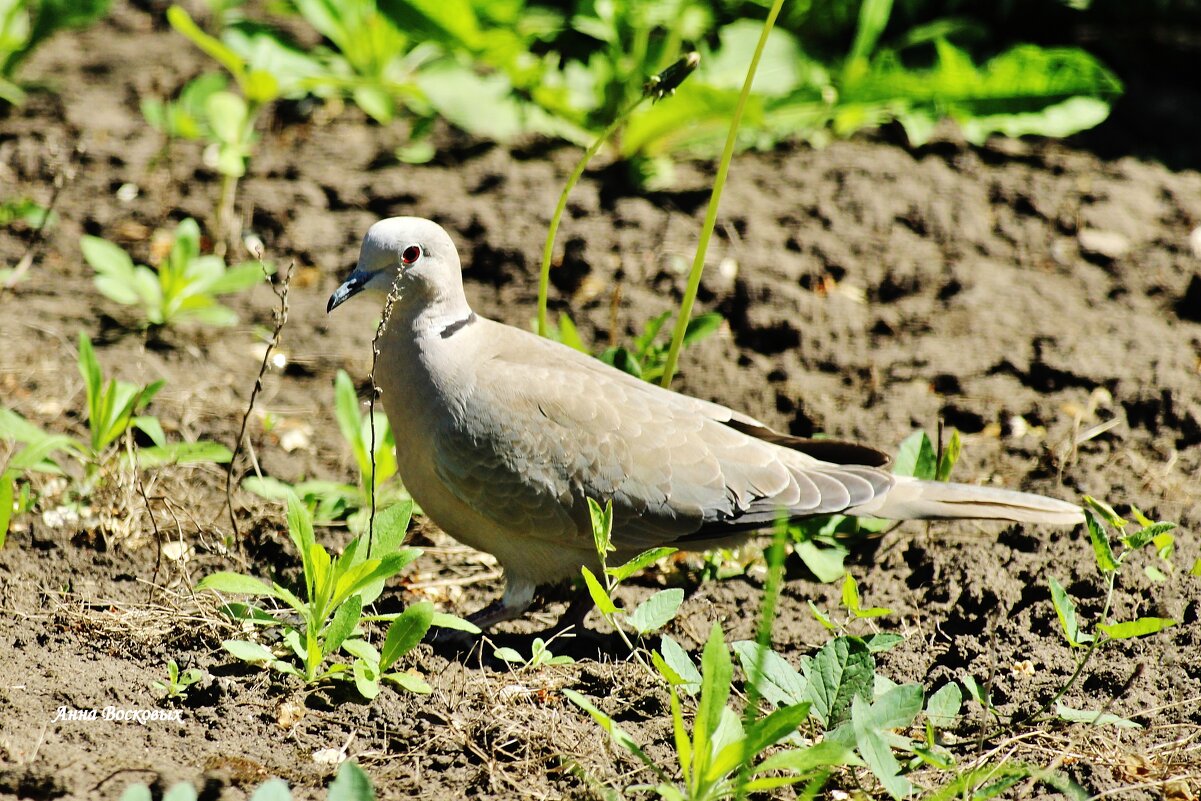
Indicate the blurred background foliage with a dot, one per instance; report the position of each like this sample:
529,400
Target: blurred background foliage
504,69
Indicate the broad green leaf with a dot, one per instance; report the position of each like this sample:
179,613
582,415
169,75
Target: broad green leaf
882,641
240,277
655,612
351,784
366,678
409,681
771,675
1065,609
272,790
406,632
875,749
202,452
1147,534
806,760
343,623
599,594
760,735
361,649
237,583
826,562
1093,717
677,659
943,706
1100,540
248,651
623,572
445,621
1136,628
510,655
841,670
915,457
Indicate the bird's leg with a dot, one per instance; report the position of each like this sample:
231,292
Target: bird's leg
578,607
517,598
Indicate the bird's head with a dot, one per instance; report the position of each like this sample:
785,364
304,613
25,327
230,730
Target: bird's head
412,254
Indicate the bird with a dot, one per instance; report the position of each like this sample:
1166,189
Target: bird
502,436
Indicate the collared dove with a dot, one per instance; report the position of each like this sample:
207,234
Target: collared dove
502,436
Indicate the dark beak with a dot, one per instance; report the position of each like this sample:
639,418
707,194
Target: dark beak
353,285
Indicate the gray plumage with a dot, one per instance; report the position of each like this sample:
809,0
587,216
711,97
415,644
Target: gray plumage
502,435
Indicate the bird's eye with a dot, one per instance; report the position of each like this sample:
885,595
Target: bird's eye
411,254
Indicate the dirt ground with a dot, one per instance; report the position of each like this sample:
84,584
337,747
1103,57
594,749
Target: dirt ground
869,290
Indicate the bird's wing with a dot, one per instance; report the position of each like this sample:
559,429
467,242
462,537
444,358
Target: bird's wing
544,427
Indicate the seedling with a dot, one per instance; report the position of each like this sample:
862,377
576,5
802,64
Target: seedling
540,654
112,409
332,501
26,24
177,683
649,616
722,758
336,591
1100,517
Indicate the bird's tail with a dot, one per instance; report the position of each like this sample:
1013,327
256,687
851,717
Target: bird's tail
915,499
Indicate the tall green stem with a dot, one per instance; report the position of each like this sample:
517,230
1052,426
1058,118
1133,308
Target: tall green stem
572,180
727,154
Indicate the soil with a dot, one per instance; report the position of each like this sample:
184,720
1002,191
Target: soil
869,290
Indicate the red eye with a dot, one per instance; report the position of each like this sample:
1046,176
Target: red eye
411,254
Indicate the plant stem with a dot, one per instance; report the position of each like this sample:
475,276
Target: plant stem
723,168
225,208
572,180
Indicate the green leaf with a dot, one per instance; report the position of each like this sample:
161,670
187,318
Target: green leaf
1146,535
600,596
343,623
509,655
717,672
943,706
807,760
202,452
300,529
1105,512
760,735
236,583
850,599
406,632
825,562
366,678
874,747
655,612
1136,628
1065,609
949,457
678,661
444,621
408,681
236,279
1093,718
7,479
1100,540
915,457
351,784
771,674
841,670
182,22
882,641
623,572
272,790
250,652
618,734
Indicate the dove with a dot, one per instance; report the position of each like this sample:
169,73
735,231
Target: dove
502,436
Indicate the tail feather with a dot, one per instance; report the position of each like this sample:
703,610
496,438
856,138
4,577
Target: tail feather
915,499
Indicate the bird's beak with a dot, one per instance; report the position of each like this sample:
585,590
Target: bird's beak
355,283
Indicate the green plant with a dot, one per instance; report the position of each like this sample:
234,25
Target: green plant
350,784
723,758
26,24
184,287
331,501
1099,518
113,407
540,654
649,616
336,591
177,683
27,212
820,541
187,116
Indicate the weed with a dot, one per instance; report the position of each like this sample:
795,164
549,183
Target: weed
184,287
540,654
332,501
26,24
24,211
336,591
177,683
649,616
